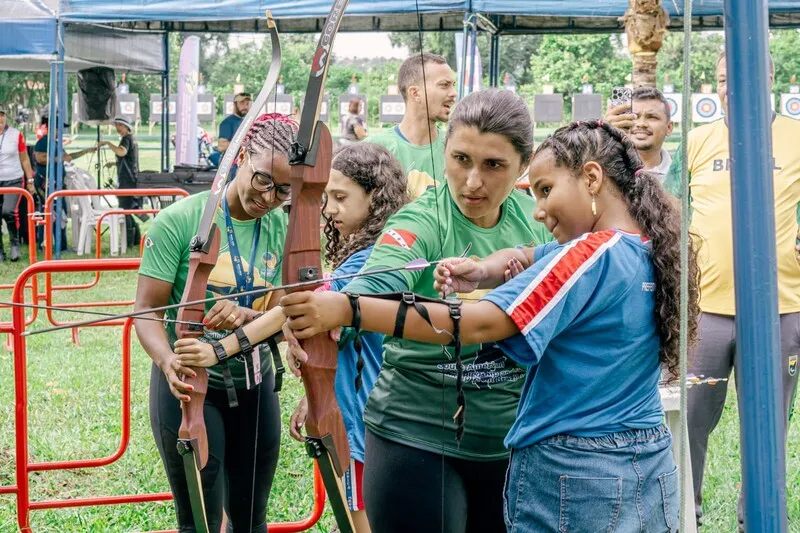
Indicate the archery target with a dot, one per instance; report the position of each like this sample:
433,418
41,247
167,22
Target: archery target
392,108
127,108
675,102
790,105
706,108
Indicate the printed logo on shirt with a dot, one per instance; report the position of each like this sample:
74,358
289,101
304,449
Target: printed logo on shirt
490,367
648,286
724,165
148,242
399,237
792,365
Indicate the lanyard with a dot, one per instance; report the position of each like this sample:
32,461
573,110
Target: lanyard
244,281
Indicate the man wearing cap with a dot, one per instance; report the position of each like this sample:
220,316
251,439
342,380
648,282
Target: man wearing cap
228,127
15,166
127,153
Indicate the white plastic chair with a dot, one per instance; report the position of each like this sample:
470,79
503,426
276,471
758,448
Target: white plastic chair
87,210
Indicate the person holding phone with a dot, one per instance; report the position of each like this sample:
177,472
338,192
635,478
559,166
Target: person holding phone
644,114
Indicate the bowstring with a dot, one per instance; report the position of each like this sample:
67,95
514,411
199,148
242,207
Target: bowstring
269,233
439,234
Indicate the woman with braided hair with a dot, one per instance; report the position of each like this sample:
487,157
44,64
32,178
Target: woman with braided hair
243,439
367,185
593,316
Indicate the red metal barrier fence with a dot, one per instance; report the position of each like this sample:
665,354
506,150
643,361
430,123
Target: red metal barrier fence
24,467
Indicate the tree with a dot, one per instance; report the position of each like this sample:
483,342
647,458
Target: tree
705,50
515,50
564,60
785,45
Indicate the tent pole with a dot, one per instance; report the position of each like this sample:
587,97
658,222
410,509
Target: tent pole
165,107
473,49
467,16
61,115
754,258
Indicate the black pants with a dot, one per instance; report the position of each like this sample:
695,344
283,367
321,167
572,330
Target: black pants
233,460
9,204
132,231
408,489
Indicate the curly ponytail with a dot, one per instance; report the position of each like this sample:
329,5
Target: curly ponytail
655,211
375,170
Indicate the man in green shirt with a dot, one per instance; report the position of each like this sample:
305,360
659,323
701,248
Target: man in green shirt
417,142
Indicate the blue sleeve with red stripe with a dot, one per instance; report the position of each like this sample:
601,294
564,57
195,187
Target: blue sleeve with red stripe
554,292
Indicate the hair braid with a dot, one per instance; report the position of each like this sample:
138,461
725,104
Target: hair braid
270,132
654,210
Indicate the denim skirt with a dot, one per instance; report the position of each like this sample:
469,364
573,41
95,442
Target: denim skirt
619,483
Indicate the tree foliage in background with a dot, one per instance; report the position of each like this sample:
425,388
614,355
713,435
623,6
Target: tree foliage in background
564,61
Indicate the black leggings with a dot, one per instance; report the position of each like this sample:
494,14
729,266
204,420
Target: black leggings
228,476
408,489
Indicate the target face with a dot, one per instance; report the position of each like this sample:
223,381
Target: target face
707,108
675,102
791,105
127,108
203,108
393,108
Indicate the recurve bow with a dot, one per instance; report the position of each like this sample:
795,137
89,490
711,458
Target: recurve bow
311,156
204,249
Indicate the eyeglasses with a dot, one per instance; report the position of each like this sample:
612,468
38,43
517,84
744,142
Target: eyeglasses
264,183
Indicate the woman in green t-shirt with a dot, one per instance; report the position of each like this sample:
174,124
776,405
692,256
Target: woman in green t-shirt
417,475
243,439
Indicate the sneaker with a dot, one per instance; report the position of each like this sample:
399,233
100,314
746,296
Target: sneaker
14,253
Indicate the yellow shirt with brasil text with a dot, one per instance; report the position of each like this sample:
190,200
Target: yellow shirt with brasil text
710,200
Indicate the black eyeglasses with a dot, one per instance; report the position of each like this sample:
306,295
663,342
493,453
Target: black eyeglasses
264,183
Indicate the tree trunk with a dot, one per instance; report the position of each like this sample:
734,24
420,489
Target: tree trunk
645,25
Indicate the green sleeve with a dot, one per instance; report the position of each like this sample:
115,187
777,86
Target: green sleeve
408,235
672,182
164,245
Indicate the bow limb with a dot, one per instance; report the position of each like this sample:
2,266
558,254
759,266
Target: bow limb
311,159
204,251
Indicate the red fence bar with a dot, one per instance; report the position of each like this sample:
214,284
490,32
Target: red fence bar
48,216
23,465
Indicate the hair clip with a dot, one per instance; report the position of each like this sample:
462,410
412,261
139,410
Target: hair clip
600,123
638,173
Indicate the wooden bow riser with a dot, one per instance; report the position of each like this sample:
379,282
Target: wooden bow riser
193,425
304,263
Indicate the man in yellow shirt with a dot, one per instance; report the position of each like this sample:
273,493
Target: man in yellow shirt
711,223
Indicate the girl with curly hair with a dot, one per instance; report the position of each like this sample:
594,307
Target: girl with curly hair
366,186
593,316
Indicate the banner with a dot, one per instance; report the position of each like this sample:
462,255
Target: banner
472,51
186,149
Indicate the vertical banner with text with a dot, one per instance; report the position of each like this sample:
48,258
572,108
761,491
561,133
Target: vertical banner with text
186,150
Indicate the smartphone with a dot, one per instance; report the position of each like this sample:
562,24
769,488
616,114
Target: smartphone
621,95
